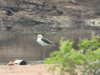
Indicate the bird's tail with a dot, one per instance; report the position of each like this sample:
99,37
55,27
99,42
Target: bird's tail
55,44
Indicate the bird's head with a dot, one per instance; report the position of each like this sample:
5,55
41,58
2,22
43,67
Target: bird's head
39,36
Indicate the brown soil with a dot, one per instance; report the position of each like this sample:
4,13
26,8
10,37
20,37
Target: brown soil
78,9
25,70
28,70
38,15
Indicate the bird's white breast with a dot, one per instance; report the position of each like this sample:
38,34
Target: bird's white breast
41,42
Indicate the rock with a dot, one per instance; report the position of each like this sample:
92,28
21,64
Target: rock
10,63
9,12
54,13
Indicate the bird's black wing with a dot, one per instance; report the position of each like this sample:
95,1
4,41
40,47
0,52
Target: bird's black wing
47,41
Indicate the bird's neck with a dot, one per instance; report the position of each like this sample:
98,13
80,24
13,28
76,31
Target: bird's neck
38,39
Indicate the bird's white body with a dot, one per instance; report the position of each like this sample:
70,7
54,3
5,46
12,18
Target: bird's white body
41,42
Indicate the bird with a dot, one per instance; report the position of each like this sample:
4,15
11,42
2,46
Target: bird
44,42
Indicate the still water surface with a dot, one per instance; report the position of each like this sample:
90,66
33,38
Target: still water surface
23,46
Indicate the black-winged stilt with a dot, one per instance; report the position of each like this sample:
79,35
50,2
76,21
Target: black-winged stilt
44,42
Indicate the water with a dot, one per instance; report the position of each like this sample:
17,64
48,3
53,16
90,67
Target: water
23,46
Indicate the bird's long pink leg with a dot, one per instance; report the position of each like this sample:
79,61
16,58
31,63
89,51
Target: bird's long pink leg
44,53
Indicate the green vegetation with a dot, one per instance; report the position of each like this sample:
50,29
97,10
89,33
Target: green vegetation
85,59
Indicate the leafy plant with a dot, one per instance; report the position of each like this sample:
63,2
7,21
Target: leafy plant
85,60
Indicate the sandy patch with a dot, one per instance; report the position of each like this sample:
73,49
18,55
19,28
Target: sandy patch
41,69
25,70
